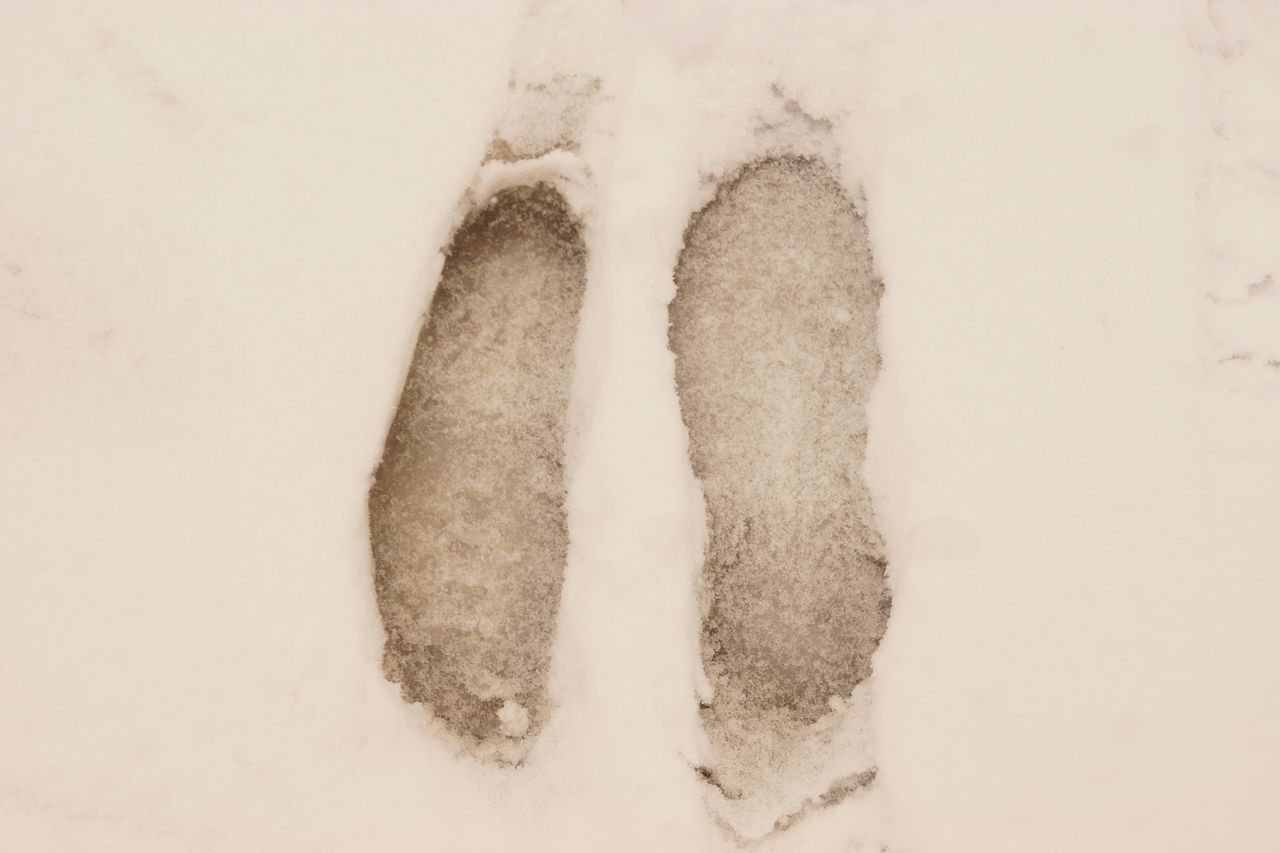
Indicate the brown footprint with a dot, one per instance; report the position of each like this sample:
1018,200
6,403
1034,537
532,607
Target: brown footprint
774,331
467,510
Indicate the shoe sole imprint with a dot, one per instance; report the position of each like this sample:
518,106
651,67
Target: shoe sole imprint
467,517
774,331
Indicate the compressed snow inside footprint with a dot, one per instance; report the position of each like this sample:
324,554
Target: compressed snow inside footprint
467,511
774,331
513,719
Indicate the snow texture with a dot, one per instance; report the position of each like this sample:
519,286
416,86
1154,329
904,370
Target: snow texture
223,225
1239,46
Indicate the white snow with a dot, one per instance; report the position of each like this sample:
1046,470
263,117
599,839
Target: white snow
219,227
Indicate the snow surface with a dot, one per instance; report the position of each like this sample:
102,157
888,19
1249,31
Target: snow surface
220,227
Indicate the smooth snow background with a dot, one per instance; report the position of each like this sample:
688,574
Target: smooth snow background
218,231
